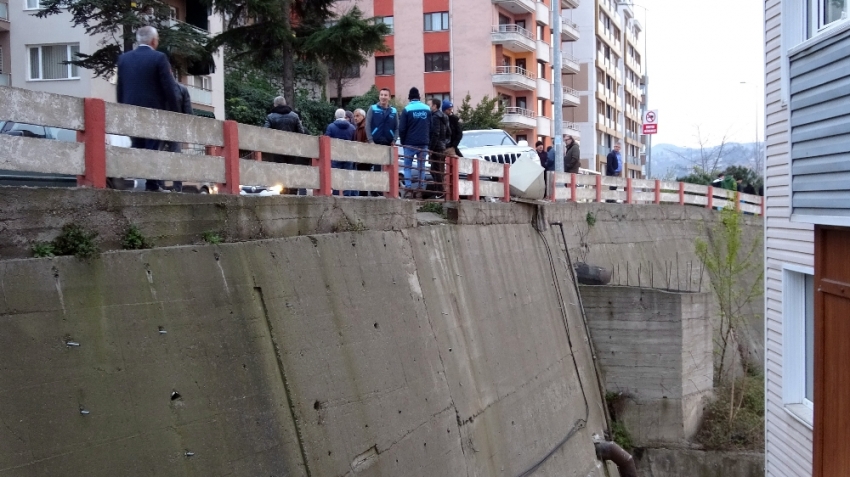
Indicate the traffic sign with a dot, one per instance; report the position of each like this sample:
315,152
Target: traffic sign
650,122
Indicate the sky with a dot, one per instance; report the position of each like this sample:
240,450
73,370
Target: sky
697,55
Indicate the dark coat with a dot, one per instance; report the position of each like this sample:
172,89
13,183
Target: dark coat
611,164
381,124
144,79
441,132
184,100
457,131
360,132
283,118
340,129
572,159
544,159
415,124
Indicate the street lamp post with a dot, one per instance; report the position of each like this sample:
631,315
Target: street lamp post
645,80
756,148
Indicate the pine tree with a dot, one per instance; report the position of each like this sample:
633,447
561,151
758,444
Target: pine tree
487,114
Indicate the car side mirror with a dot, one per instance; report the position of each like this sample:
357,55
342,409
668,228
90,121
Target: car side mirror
522,143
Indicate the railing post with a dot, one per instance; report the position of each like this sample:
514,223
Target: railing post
257,155
738,201
506,180
325,166
657,191
231,157
475,191
455,195
762,205
94,114
392,171
709,204
629,195
599,188
573,187
681,193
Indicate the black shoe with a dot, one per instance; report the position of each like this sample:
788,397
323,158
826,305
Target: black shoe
159,189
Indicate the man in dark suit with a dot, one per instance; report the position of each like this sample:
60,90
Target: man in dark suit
144,79
184,105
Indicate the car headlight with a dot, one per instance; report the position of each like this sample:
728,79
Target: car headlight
276,189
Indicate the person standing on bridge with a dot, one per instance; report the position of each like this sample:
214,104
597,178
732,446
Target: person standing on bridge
184,105
382,124
572,156
614,165
341,129
415,133
145,79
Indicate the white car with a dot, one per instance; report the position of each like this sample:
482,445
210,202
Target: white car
495,145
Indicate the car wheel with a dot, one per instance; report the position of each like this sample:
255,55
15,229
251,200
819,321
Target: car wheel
204,190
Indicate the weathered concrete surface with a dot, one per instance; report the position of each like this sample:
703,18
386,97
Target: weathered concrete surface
655,351
696,463
30,215
428,351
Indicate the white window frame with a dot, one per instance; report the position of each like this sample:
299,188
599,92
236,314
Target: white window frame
439,15
794,343
41,66
27,6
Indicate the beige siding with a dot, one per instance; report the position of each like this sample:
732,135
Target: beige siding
789,443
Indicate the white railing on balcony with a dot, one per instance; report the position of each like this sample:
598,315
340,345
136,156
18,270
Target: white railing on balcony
174,23
200,95
4,11
514,70
567,24
5,79
568,62
570,126
526,5
513,29
570,91
513,110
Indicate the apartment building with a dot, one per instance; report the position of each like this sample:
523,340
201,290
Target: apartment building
435,47
32,51
807,237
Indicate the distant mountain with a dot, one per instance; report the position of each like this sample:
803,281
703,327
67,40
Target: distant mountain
669,161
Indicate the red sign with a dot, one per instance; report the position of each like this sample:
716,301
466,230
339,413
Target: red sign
649,129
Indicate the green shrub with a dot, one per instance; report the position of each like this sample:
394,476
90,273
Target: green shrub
211,237
42,249
734,418
134,240
74,240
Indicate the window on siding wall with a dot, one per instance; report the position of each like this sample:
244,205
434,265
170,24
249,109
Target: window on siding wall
437,21
46,62
437,62
798,357
388,21
385,65
440,96
822,13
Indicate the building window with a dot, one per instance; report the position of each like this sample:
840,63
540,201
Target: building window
440,96
388,21
438,21
798,356
33,5
46,62
821,13
437,62
541,70
384,65
541,107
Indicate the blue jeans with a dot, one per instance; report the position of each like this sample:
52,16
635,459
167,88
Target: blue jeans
420,154
348,166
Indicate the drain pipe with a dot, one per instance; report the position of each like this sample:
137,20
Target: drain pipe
624,461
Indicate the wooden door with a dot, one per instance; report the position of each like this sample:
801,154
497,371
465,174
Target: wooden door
832,352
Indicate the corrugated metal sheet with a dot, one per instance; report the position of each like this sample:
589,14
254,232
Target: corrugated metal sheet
820,129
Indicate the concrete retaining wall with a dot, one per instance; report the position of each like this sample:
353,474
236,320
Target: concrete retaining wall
655,351
428,351
694,463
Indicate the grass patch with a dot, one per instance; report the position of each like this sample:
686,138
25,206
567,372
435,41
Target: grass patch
134,240
73,240
619,433
212,237
734,419
434,207
42,250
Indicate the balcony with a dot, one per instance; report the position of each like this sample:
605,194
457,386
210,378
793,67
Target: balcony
518,7
519,118
570,97
514,78
544,15
569,3
569,30
544,89
5,79
514,38
200,95
544,126
544,52
4,16
569,65
571,129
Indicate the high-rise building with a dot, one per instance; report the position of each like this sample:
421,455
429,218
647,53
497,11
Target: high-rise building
32,52
503,48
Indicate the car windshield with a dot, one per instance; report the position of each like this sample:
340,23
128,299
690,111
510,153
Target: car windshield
496,137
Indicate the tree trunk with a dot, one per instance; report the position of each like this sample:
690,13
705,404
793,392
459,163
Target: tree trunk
339,82
127,31
288,58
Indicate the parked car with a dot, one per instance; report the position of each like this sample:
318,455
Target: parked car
495,145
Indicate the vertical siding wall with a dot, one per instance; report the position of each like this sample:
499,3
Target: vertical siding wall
788,442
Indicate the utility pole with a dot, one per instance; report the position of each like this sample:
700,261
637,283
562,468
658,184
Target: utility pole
558,106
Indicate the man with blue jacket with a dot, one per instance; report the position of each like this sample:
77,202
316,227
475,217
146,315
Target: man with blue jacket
415,133
614,165
382,121
341,129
